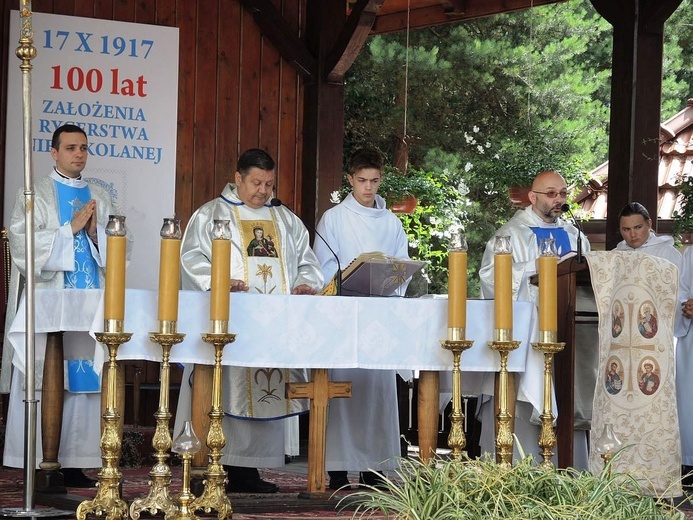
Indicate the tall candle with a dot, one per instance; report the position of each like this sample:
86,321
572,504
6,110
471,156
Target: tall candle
503,290
457,289
114,299
221,279
169,279
548,279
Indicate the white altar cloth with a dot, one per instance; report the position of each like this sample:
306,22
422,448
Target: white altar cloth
292,331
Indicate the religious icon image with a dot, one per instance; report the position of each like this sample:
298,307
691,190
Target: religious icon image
648,378
613,380
647,320
617,318
261,245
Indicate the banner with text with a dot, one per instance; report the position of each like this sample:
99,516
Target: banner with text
119,82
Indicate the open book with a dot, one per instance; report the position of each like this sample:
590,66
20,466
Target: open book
376,274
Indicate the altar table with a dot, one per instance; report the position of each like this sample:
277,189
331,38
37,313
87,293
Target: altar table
290,331
298,331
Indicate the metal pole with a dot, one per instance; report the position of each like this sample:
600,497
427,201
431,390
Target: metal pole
26,52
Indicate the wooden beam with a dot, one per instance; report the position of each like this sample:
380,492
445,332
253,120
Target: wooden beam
636,91
323,119
440,13
282,36
351,39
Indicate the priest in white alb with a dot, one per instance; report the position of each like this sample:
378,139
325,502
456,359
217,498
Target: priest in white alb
270,254
70,216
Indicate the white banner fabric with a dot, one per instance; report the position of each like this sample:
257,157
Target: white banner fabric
119,82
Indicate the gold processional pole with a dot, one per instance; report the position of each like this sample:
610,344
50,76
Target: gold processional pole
457,342
548,344
107,501
503,342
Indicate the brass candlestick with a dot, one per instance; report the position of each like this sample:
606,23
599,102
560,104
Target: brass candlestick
107,500
214,494
504,344
456,438
547,438
159,498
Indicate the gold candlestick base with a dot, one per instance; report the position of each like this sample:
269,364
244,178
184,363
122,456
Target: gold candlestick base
547,437
456,438
214,494
504,440
107,501
159,498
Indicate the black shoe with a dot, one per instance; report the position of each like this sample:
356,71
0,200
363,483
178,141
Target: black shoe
75,477
687,476
372,479
255,485
339,480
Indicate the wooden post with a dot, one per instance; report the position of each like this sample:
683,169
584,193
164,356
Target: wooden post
429,390
49,479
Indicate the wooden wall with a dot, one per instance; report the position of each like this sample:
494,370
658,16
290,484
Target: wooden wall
234,93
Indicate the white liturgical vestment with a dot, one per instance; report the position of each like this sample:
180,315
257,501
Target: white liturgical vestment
684,360
270,251
363,431
525,251
54,254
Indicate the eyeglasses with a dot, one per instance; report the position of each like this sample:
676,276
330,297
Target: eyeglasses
552,194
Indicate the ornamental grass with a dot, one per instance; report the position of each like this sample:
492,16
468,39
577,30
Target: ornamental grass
477,489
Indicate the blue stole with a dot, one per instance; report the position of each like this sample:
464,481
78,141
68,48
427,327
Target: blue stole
86,272
558,234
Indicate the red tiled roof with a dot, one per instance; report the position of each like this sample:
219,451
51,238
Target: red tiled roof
675,165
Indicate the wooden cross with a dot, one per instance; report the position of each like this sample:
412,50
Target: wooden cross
320,390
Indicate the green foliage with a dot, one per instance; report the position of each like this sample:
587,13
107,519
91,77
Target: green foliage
474,489
683,220
492,102
396,185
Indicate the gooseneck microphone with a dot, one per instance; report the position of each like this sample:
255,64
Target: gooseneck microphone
566,209
276,202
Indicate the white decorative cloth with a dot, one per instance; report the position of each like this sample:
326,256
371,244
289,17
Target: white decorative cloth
636,298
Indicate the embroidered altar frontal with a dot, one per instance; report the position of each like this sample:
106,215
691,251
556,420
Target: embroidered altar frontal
636,296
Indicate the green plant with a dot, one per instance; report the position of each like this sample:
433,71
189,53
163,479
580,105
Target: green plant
480,488
397,185
684,218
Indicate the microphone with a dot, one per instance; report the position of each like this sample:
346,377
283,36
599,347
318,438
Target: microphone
566,209
276,202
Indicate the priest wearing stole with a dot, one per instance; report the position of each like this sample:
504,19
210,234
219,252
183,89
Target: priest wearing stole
542,219
285,264
70,253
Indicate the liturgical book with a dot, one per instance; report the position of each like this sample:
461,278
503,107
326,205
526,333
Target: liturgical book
376,274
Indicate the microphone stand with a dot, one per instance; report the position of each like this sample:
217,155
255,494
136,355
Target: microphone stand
580,257
276,202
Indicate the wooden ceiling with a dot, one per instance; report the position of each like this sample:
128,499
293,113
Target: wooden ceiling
392,15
